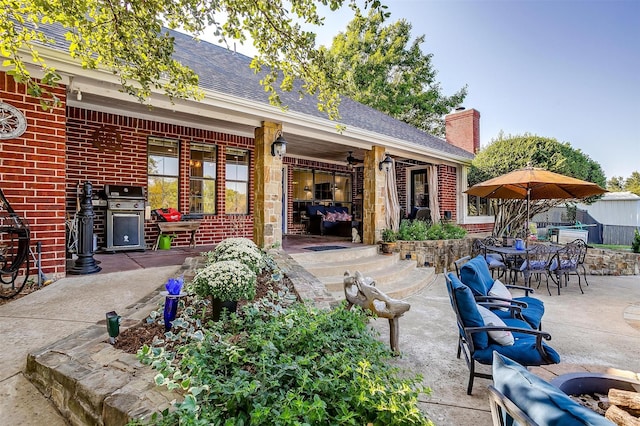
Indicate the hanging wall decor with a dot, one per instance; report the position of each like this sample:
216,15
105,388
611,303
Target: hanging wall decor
12,122
107,139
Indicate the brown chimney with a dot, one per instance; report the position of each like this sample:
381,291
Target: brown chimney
462,129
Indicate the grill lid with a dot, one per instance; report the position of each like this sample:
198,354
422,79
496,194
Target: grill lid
124,192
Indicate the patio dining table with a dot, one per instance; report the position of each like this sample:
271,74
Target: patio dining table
513,256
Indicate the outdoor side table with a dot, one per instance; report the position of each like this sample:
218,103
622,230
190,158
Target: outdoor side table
183,226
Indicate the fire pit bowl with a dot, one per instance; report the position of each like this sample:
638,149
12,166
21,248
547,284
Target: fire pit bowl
590,383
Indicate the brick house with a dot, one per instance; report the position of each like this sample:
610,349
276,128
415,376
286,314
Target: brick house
213,157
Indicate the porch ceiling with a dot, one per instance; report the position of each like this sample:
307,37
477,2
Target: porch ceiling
301,142
310,139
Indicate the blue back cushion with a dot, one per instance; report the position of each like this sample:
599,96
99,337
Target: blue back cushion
468,310
544,403
313,210
475,274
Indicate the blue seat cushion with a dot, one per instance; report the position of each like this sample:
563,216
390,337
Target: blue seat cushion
532,320
467,308
475,274
544,403
523,351
533,312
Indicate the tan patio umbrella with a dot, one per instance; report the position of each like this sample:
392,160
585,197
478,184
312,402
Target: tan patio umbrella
532,183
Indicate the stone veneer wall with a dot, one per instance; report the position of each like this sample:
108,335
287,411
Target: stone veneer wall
441,254
611,262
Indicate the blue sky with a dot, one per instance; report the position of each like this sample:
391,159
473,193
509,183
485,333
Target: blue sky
569,70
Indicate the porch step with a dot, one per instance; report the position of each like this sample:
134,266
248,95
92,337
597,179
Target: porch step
396,278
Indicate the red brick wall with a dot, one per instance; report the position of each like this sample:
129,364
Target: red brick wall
32,172
448,191
128,165
479,228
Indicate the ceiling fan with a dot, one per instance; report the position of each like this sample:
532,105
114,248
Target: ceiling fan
351,160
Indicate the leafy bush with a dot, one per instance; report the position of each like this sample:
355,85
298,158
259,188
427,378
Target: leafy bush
445,231
413,230
635,244
295,366
227,280
241,249
418,230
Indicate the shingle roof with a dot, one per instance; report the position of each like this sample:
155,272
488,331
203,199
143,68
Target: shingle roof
228,72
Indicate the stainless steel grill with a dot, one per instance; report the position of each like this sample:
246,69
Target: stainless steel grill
125,217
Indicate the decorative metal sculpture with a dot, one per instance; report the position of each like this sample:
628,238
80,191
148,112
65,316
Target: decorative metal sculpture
361,291
14,250
12,122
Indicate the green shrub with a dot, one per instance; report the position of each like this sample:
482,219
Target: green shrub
294,366
635,244
418,230
445,231
412,230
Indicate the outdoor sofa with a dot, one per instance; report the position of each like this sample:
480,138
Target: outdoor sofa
329,220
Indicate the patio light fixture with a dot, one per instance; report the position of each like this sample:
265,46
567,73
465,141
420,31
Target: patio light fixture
279,146
386,163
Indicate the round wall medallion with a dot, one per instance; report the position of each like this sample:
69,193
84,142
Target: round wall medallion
12,122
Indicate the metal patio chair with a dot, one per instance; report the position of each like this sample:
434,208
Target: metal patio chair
473,340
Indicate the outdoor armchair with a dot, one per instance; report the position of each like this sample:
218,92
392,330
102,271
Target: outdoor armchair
479,334
517,394
475,274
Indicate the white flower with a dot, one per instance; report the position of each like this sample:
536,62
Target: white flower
241,249
227,280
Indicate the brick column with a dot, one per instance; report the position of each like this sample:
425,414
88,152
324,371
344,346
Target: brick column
373,198
267,223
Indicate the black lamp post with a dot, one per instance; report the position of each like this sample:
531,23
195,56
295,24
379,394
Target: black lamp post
85,263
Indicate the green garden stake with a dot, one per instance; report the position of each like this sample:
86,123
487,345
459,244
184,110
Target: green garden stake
113,326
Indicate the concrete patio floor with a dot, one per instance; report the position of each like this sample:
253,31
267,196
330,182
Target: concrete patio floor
600,328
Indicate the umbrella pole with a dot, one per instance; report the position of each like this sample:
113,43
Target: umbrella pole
526,232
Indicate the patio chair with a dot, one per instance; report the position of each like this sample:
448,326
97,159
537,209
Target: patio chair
583,254
518,396
424,214
495,261
537,261
565,262
478,336
475,274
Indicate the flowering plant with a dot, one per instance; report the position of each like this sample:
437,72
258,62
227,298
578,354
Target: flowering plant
227,280
241,249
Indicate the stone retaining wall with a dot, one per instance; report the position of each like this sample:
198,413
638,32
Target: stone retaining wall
441,254
611,262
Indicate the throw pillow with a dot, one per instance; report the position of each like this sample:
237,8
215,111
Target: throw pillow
330,217
500,290
501,337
